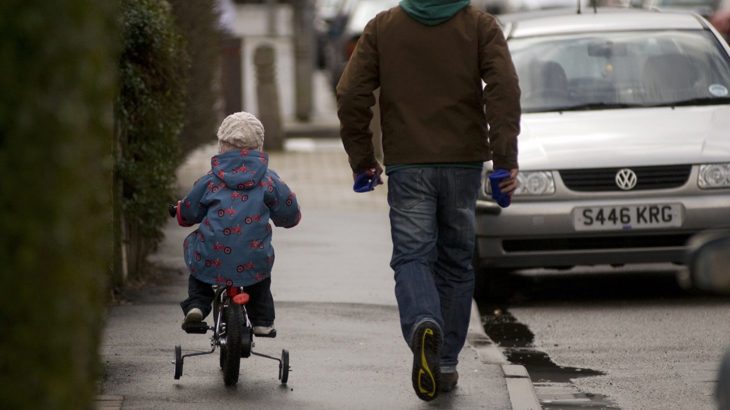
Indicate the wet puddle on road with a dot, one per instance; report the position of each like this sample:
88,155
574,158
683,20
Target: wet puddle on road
553,384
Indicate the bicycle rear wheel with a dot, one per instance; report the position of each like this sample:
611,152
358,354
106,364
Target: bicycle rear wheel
231,354
221,326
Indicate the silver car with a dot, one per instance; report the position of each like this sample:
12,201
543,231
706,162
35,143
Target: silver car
625,146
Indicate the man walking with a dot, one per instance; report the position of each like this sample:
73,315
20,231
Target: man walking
429,58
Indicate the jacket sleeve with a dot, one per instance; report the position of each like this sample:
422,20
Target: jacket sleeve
282,202
501,95
190,209
355,99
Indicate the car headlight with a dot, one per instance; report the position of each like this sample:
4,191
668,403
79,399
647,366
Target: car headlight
531,183
714,176
535,183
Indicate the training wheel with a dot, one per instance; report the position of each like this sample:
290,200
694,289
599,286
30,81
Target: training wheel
178,362
284,366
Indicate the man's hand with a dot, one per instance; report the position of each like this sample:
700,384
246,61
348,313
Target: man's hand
508,185
375,170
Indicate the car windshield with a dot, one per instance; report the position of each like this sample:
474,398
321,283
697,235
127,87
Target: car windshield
621,69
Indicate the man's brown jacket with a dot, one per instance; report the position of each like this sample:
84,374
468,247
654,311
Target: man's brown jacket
431,99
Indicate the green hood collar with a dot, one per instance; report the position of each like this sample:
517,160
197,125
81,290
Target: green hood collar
432,12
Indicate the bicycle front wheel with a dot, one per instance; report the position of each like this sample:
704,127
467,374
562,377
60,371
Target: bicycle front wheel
231,360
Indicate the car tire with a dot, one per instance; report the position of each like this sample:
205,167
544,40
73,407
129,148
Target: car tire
492,286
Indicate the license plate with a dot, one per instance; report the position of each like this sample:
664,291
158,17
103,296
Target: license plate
627,217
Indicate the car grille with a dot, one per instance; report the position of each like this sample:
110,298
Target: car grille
603,179
587,243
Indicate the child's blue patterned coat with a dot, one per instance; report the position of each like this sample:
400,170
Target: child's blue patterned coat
233,204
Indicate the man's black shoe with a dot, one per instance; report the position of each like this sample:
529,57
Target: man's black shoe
426,347
448,381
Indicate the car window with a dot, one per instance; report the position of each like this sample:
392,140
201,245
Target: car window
646,68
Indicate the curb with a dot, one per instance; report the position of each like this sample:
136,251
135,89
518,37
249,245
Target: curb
519,386
488,351
108,402
521,392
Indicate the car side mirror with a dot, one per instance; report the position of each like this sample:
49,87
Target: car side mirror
708,260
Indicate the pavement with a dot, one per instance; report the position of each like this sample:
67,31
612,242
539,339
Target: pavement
336,312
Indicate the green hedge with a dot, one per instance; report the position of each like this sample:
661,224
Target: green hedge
197,22
149,117
57,82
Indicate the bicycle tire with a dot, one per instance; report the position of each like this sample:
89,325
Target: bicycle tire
284,367
232,360
178,362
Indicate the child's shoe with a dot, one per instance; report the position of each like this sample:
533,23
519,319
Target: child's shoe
264,331
193,315
193,322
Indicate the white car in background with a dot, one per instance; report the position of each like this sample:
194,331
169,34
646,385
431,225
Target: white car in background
625,147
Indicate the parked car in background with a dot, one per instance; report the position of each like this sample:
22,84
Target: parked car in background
324,17
346,30
624,152
330,19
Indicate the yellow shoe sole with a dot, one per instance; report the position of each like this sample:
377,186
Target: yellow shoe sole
426,355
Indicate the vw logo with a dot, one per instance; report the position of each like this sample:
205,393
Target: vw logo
626,179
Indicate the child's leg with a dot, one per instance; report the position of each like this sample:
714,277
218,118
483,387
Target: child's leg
260,307
200,295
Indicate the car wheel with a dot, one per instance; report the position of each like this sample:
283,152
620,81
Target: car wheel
492,285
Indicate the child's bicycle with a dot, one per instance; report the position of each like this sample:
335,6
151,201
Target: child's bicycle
232,332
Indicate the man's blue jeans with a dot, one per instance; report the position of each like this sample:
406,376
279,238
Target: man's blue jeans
432,227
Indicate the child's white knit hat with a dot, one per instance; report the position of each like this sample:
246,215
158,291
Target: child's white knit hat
242,130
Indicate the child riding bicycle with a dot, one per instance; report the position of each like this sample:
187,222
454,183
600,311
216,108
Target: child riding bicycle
233,203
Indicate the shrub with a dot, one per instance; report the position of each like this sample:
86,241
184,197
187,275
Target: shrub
149,116
57,82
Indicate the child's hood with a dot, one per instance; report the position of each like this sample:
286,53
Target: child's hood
240,169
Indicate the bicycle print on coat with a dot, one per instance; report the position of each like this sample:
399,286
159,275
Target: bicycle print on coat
233,204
